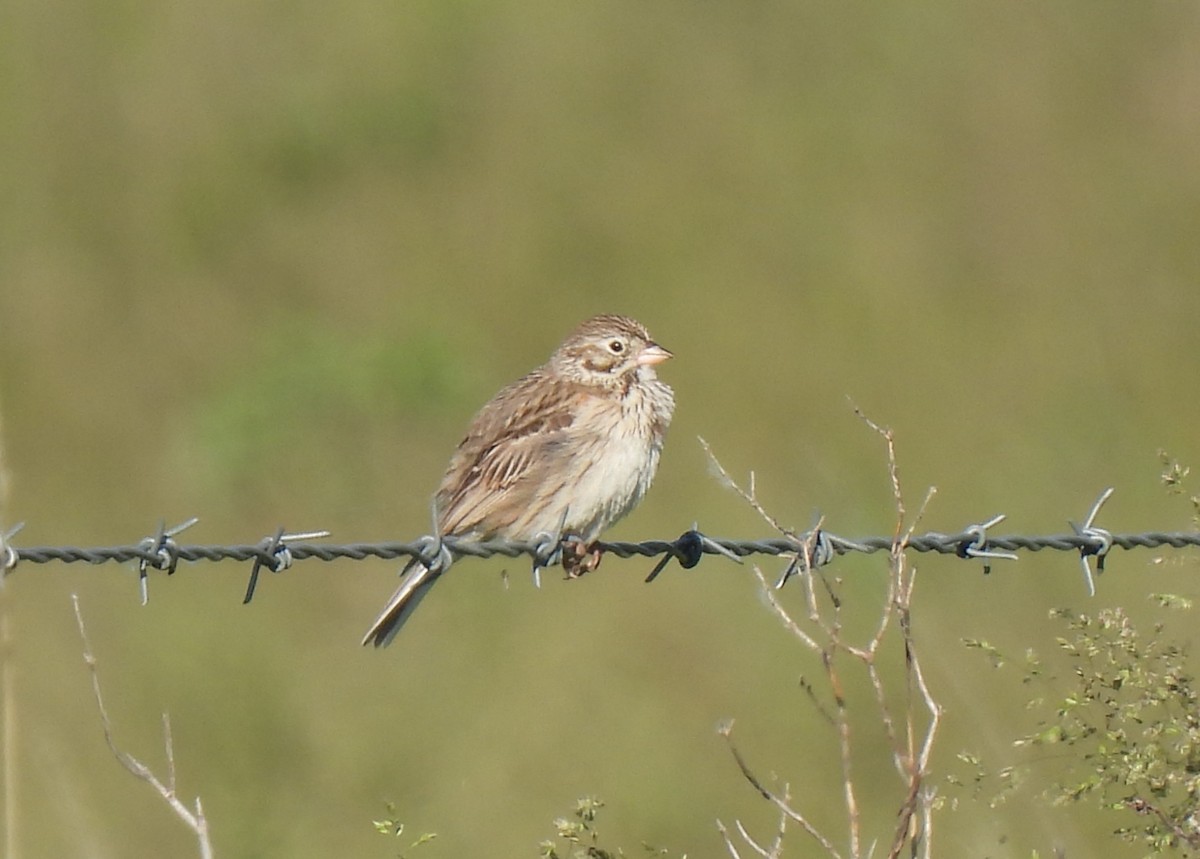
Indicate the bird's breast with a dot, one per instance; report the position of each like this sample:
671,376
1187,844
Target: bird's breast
612,466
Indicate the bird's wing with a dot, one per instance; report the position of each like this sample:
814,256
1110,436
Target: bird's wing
509,441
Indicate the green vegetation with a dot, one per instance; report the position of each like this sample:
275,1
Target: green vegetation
580,838
393,827
1124,706
1126,710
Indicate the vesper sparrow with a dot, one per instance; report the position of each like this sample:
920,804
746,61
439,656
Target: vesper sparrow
574,444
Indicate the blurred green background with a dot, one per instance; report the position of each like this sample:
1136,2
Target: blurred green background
259,263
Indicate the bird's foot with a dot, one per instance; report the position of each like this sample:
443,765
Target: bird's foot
579,557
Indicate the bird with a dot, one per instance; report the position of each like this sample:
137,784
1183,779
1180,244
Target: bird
568,449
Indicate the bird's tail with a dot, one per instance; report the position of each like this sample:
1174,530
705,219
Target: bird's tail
414,585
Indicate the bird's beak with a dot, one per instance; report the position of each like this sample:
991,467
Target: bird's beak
652,354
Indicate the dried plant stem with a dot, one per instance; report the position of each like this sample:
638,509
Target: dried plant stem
910,734
194,819
9,715
10,732
780,801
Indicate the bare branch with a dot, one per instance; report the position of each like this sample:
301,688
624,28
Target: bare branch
893,469
193,819
9,715
911,766
733,851
777,844
9,732
844,750
910,740
780,802
750,496
928,796
754,845
785,618
1142,806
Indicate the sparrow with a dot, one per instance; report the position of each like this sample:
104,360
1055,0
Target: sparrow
568,449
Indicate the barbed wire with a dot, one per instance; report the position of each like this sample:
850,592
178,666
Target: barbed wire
814,548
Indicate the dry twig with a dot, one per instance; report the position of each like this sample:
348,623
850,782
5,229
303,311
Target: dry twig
194,819
9,716
823,634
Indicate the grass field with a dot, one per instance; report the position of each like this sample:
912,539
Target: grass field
259,264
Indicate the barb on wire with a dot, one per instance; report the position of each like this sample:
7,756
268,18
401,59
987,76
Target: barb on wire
160,553
276,556
977,544
817,550
8,554
806,551
433,553
548,551
688,549
1099,541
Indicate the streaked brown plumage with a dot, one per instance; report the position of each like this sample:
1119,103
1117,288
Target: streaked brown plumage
574,443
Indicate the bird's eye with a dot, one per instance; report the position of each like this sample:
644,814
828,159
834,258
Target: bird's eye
616,347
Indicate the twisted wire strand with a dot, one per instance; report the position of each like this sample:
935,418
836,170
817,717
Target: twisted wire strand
811,549
688,547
